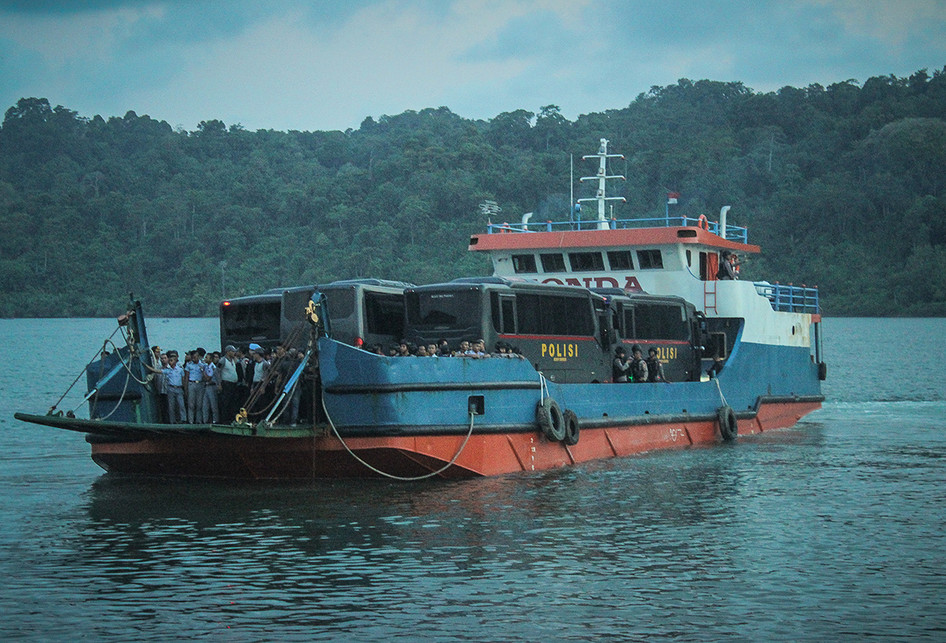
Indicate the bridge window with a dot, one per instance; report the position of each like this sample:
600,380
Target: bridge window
553,263
586,261
620,260
524,263
650,259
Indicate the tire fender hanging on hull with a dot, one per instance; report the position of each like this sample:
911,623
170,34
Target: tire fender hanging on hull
572,429
551,420
728,424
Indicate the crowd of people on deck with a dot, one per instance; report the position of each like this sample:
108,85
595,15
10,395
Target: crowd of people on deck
441,348
210,387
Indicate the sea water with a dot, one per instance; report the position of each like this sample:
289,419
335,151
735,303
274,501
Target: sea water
830,530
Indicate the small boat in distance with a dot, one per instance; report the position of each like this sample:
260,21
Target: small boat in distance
572,297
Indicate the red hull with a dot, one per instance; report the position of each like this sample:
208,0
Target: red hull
483,455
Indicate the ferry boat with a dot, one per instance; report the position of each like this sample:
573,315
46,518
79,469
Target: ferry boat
737,357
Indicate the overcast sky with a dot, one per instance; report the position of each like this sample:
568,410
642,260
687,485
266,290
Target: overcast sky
323,65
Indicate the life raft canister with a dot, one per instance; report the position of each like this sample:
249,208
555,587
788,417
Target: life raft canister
728,424
572,429
551,420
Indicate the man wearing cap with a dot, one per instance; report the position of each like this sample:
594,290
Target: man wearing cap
174,377
259,367
638,365
620,365
229,383
655,370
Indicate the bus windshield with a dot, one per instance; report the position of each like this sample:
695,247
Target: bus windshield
443,310
243,322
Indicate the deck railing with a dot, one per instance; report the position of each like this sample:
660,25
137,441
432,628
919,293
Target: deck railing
733,233
790,298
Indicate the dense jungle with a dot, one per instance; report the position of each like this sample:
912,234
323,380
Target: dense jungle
843,186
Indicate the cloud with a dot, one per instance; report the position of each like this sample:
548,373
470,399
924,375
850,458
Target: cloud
325,65
381,59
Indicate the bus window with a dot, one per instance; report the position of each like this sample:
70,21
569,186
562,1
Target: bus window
384,314
528,314
503,313
553,315
341,302
443,310
243,322
626,321
294,304
661,321
508,309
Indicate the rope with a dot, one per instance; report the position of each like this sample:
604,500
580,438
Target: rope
286,401
721,396
127,367
121,398
390,475
83,372
264,383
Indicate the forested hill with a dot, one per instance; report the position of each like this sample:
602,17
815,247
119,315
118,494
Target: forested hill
843,186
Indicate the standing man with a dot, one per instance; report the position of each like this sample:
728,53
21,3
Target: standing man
727,268
210,409
174,378
638,365
655,370
229,383
258,370
619,365
194,388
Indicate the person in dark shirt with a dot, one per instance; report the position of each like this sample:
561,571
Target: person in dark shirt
655,370
727,270
619,365
638,365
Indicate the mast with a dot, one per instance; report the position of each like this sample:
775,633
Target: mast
602,178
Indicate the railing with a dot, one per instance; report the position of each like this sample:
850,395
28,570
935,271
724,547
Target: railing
733,233
789,298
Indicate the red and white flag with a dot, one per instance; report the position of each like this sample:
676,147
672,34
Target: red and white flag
672,197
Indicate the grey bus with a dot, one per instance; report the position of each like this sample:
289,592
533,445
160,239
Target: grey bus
557,328
361,311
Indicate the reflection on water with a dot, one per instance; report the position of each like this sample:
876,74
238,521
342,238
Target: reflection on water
750,541
830,530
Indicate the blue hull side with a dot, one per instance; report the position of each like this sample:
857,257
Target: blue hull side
371,395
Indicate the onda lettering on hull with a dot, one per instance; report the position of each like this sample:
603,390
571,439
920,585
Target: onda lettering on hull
630,282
